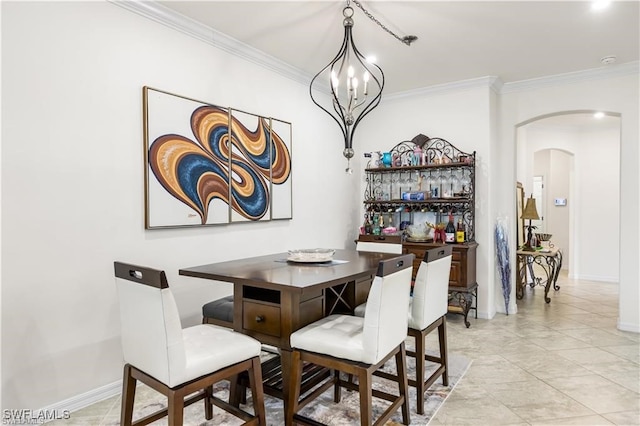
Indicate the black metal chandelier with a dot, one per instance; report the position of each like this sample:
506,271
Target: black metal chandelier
356,83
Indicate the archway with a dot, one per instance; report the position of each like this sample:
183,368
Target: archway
592,199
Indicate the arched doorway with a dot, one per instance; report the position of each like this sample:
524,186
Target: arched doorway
578,158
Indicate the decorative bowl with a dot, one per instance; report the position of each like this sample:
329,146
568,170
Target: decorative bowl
418,232
543,237
311,255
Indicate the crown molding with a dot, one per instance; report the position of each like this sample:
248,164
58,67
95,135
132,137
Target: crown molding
492,82
168,17
607,71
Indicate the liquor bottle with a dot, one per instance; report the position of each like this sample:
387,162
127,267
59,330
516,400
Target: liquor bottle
460,232
450,231
376,225
368,228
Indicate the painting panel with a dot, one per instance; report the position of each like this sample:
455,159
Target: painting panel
250,197
281,181
186,167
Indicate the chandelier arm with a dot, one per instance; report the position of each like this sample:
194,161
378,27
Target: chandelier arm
339,113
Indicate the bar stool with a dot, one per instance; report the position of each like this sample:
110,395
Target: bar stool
359,346
219,312
428,312
182,364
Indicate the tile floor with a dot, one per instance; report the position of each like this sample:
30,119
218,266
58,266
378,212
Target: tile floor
562,363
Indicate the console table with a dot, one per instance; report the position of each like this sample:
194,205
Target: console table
550,262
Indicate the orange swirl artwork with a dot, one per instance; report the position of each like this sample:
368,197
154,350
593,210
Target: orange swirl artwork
209,165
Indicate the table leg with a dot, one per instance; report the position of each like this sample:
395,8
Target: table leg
522,277
553,264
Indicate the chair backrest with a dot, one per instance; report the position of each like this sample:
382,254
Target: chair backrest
380,243
386,315
431,288
152,338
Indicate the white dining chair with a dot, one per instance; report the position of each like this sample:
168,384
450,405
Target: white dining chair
380,243
359,346
182,364
428,312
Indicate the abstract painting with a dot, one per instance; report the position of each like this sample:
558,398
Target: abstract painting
211,165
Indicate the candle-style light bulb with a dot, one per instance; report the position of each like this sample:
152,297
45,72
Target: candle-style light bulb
365,77
335,82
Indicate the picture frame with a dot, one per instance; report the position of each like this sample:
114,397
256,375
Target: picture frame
211,165
520,238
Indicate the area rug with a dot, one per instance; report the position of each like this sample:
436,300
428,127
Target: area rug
323,409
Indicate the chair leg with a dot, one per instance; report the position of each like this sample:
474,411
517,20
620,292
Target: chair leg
237,392
175,408
208,406
403,385
337,389
296,379
420,366
444,353
366,394
257,393
128,396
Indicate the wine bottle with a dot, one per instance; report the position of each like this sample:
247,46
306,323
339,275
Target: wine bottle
450,231
460,232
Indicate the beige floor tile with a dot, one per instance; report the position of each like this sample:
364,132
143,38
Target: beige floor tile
629,352
606,369
562,407
596,337
484,411
606,399
551,365
588,355
578,421
624,418
560,342
628,380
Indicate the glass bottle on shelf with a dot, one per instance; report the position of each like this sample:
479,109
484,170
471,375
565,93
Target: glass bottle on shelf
460,232
376,225
450,230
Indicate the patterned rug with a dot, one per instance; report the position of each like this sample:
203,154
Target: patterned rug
323,409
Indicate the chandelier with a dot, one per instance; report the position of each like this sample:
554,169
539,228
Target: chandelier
355,82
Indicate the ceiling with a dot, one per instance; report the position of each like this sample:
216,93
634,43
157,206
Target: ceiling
457,40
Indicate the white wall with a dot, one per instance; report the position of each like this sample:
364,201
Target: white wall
615,94
72,175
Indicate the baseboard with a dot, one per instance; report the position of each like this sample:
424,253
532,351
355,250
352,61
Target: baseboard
634,328
598,278
83,400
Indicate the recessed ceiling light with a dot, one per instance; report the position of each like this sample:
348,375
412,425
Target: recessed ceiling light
600,4
598,115
608,60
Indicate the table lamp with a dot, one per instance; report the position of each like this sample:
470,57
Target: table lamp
530,213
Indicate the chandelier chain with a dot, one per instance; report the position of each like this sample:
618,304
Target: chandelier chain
406,39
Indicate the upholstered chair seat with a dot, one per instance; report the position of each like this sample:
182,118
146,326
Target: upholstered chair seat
218,312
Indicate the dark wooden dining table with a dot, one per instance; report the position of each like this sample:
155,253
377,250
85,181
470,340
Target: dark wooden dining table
274,297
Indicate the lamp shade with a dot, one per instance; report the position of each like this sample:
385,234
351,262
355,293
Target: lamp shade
530,212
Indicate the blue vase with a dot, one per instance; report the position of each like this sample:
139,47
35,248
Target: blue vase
386,159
